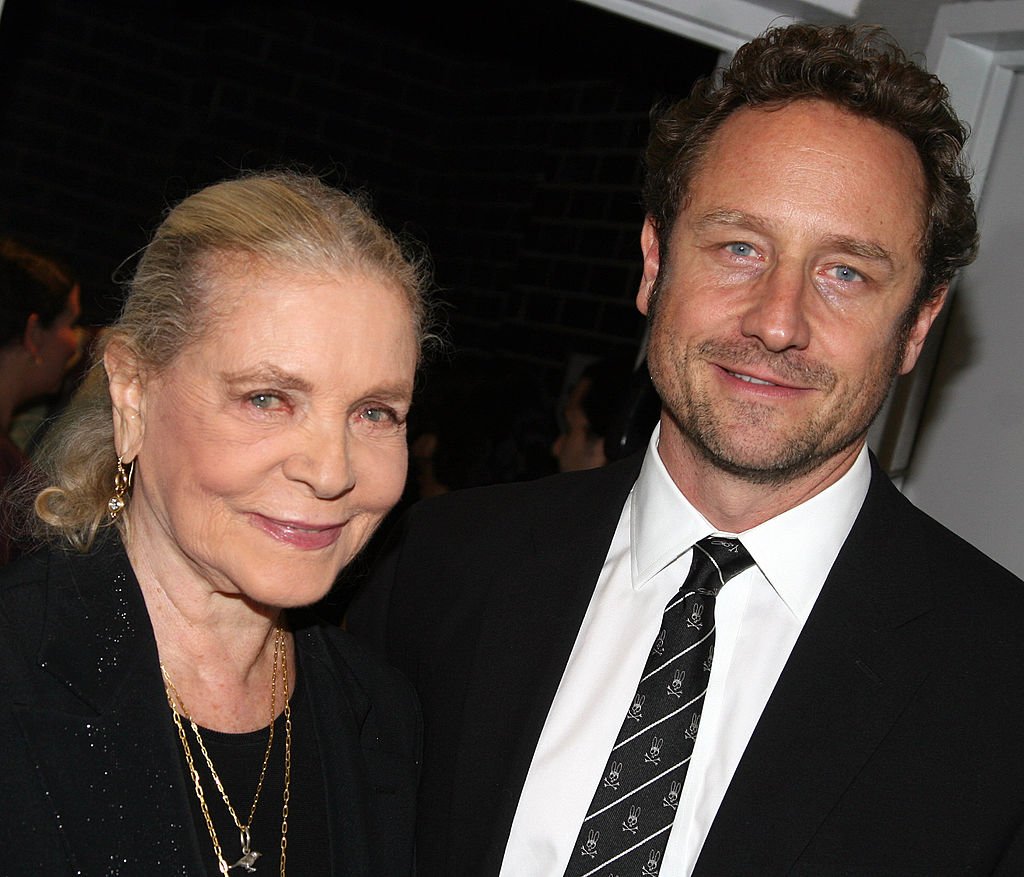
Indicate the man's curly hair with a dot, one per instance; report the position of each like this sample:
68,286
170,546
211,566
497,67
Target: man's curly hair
858,68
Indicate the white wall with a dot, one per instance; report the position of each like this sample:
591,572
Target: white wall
967,469
727,24
910,21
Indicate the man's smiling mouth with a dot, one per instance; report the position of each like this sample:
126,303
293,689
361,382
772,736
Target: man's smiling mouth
752,380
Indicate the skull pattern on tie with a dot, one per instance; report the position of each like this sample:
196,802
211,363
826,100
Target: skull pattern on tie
627,825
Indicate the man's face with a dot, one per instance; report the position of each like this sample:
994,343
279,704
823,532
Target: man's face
776,326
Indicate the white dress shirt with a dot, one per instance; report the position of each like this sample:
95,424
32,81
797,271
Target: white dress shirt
758,617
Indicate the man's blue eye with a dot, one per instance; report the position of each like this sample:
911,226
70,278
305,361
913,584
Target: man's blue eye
847,274
740,249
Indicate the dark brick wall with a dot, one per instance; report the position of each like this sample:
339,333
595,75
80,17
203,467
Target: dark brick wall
511,150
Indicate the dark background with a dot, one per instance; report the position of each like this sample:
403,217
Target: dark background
509,146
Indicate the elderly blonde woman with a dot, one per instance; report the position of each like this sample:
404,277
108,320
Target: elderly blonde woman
237,443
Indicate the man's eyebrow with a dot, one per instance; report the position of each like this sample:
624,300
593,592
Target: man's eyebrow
736,218
865,249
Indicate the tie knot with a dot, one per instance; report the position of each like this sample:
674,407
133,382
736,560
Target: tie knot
723,558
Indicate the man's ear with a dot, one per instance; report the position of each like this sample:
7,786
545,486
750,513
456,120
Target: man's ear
652,263
127,398
919,331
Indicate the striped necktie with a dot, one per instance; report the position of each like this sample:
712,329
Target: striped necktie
627,826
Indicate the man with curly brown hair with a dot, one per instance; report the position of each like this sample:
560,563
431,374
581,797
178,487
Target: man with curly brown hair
807,210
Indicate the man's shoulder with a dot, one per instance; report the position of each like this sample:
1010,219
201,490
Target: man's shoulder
458,547
554,498
928,548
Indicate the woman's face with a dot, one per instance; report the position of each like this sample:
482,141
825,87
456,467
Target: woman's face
269,451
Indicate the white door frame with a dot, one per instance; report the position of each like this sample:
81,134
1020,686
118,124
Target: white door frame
977,49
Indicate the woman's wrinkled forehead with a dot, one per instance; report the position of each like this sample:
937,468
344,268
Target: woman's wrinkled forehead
223,278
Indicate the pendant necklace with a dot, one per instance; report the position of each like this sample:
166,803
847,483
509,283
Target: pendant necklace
247,861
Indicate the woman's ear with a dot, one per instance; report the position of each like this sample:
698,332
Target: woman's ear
127,398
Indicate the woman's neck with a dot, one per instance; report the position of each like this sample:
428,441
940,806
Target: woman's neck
217,647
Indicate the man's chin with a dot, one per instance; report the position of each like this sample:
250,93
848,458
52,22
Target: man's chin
775,464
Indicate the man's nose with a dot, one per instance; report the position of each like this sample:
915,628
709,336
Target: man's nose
777,311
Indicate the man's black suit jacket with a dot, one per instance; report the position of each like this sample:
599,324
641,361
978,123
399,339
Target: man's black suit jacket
91,780
893,743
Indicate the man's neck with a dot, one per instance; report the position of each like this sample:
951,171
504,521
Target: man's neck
734,504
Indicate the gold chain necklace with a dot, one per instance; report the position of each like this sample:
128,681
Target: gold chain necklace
249,856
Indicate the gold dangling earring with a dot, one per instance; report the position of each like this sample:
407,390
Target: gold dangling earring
122,481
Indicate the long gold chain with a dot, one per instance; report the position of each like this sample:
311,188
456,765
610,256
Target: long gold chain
286,796
179,709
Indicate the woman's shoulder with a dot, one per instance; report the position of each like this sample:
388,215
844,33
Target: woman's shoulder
62,595
53,564
346,680
341,654
23,586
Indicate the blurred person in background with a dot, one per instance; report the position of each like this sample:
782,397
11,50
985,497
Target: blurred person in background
593,411
39,307
478,420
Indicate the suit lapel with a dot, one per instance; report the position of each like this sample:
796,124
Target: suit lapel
536,608
863,639
339,709
100,729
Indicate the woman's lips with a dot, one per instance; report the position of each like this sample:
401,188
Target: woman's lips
306,536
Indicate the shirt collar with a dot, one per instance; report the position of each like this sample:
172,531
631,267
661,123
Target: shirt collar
794,551
663,523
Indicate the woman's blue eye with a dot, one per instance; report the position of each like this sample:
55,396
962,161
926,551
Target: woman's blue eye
379,415
264,401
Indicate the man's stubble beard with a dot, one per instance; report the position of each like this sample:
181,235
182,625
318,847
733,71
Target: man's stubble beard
822,437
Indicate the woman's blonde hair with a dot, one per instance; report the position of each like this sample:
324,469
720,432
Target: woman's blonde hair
278,219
